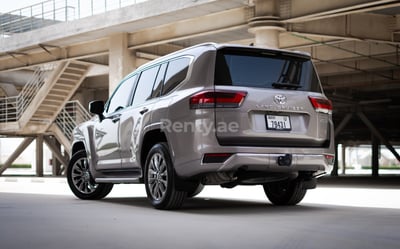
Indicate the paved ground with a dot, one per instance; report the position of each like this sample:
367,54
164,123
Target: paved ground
41,213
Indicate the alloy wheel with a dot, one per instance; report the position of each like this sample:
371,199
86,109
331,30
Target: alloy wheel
157,176
82,178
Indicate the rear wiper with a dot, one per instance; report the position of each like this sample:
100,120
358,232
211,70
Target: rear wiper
285,85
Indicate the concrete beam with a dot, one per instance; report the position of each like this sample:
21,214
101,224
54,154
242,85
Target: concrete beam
345,51
376,133
24,144
38,56
9,89
128,19
347,82
367,70
362,26
209,24
343,123
295,11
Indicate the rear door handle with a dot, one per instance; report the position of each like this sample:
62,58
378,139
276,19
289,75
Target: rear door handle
144,110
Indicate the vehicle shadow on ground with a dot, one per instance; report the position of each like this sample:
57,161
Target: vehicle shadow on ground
201,205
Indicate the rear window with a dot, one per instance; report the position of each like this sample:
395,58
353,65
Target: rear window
176,72
265,70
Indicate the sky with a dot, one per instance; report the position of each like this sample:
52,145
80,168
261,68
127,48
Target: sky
10,5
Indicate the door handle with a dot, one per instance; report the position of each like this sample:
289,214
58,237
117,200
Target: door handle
144,110
116,118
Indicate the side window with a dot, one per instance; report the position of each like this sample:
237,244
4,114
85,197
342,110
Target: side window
121,96
145,85
159,81
176,73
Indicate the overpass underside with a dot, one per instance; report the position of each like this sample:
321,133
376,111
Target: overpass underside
355,45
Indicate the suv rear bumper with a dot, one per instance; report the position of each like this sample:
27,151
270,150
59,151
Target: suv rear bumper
316,163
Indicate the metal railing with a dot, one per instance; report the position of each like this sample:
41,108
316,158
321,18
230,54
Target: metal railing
70,116
54,11
12,108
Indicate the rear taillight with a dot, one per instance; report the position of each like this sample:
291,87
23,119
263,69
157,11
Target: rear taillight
330,159
217,99
321,104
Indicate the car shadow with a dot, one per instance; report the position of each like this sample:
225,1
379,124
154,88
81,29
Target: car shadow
218,206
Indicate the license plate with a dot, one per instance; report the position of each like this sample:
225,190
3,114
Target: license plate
278,122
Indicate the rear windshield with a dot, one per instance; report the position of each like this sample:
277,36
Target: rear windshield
265,70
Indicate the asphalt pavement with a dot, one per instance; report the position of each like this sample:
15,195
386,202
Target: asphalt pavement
41,214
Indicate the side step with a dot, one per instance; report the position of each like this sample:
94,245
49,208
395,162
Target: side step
117,180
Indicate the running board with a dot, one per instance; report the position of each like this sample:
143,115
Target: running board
117,180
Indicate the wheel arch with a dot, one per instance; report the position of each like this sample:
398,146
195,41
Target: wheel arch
151,138
77,146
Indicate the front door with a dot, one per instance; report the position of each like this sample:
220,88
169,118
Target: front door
107,131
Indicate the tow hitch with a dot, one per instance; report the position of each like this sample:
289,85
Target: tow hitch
285,160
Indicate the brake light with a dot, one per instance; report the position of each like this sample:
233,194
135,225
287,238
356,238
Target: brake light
217,99
321,104
330,159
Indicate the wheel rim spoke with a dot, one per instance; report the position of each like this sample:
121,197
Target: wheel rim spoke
82,178
157,176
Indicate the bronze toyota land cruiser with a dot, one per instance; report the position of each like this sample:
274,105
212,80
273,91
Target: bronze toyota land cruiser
212,114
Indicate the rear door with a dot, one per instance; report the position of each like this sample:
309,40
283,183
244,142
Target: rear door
283,105
134,121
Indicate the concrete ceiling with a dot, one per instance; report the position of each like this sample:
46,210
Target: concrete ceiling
355,45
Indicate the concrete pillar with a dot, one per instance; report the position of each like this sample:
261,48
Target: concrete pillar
335,169
266,37
39,155
266,24
375,155
56,164
121,61
343,159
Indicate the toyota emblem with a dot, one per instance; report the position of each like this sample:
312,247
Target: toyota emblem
280,99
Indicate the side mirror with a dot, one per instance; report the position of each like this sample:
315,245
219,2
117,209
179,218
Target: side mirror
97,107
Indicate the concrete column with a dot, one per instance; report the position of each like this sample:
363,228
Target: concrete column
266,37
343,159
266,24
375,155
121,61
56,165
335,169
39,155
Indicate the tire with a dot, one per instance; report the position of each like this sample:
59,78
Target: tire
285,192
159,179
195,191
81,181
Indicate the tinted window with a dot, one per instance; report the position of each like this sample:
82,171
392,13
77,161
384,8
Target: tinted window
265,70
176,73
145,86
159,81
121,96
